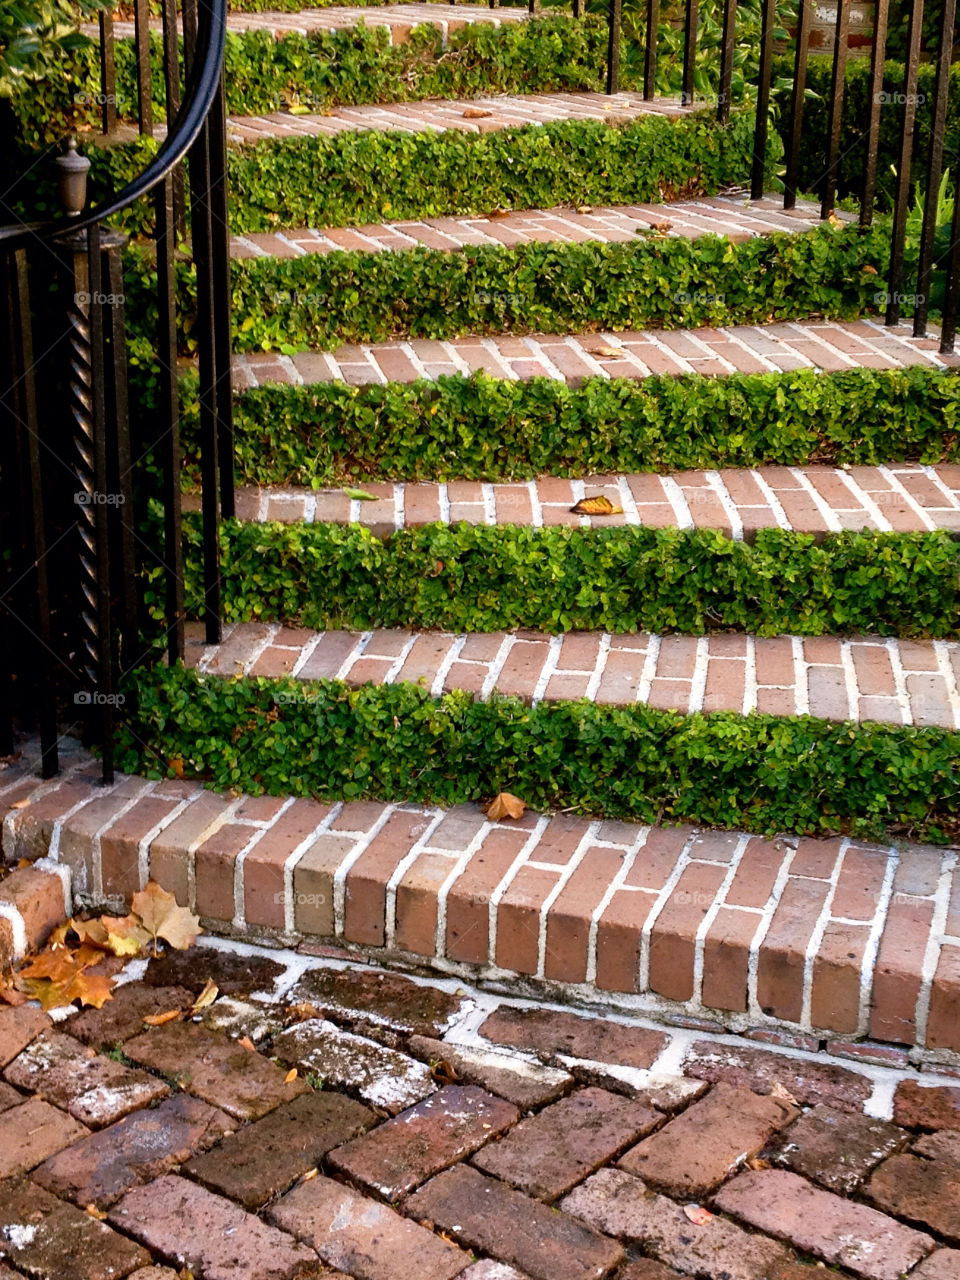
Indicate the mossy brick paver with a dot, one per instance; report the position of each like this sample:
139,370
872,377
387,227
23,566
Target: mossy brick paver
94,1089
267,1157
621,1205
807,1081
380,1076
384,998
836,1148
551,1152
123,1014
553,1032
485,1214
208,1234
699,1148
838,1231
220,1071
235,975
407,1150
362,1237
99,1168
526,1084
18,1026
926,1192
47,1239
918,1106
32,1132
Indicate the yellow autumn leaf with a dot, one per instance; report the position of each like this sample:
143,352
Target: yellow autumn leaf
596,506
163,918
206,996
505,805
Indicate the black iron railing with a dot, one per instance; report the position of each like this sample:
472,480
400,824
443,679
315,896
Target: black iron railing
72,595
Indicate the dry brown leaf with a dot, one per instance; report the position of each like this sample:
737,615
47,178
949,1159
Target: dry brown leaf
20,804
303,1012
584,208
24,864
162,918
505,805
94,1212
596,506
499,213
126,936
443,1072
248,1044
206,996
476,113
835,221
607,353
783,1094
290,1076
868,270
58,965
176,766
309,1175
92,931
159,1019
757,1163
13,996
697,1214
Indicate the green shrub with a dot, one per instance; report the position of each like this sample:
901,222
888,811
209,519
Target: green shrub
491,578
760,773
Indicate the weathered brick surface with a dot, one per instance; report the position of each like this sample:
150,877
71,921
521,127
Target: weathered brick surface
244,1084
863,1240
267,1157
234,975
696,1150
484,1214
407,1150
99,1168
122,1016
551,1152
38,896
18,1026
31,1132
837,1149
942,1265
187,1224
388,999
362,1237
921,1191
927,1107
621,1205
526,1084
50,1240
94,1089
597,1039
380,1076
808,1081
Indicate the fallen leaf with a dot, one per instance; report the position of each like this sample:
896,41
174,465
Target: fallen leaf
584,208
159,1019
476,113
499,213
309,1175
94,1212
92,931
162,918
20,804
206,996
290,1076
176,766
868,270
442,1072
302,1012
505,805
661,226
757,1163
24,864
783,1095
126,936
608,353
597,506
248,1044
697,1214
298,110
835,221
360,495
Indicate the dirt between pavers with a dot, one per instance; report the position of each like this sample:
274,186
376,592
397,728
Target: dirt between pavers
278,1156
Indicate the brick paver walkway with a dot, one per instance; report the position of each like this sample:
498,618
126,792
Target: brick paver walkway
389,1128
894,681
899,497
826,345
734,216
505,111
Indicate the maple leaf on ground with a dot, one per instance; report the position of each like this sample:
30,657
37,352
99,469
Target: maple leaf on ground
597,506
126,936
505,806
162,918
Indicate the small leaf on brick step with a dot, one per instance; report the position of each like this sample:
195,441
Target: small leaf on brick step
697,1214
159,1019
442,1072
162,918
584,208
476,113
360,495
206,996
290,1076
607,353
598,506
505,805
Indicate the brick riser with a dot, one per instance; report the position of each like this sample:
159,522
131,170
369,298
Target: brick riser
828,937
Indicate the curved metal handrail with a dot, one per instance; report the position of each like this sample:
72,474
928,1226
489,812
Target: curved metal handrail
201,90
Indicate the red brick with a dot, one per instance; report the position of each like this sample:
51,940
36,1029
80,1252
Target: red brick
619,939
596,1039
552,1151
921,1191
859,884
313,879
838,1231
698,1149
807,1080
365,903
407,1150
780,970
215,870
263,878
380,997
526,1084
355,1233
207,1233
570,914
120,845
33,825
726,959
170,855
518,919
673,938
38,896
757,873
836,1149
927,1107
657,857
18,1027
835,987
469,896
417,900
943,1024
485,1215
32,1132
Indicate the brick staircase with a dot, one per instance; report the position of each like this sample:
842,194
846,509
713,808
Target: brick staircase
836,939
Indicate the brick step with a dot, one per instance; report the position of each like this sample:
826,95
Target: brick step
506,111
826,936
732,215
900,497
830,346
861,679
398,20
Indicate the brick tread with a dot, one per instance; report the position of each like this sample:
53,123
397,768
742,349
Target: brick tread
814,344
824,935
859,679
732,215
899,497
